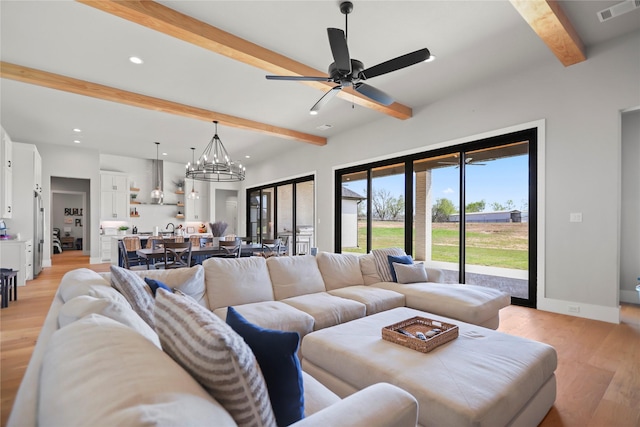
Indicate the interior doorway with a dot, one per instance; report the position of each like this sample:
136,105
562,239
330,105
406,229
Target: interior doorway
70,219
226,209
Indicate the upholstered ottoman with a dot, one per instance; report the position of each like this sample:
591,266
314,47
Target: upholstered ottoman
481,378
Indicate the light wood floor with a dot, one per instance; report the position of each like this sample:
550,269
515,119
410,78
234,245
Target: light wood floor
598,363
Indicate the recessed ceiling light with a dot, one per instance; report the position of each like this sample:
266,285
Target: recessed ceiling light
135,60
247,157
313,113
77,141
77,130
164,154
324,127
431,58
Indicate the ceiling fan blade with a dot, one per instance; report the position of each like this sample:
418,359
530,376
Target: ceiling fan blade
340,50
373,93
300,78
328,96
396,63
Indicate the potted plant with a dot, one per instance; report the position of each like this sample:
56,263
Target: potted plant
123,229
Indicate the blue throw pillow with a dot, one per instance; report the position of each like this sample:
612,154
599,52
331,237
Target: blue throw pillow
155,284
402,259
276,353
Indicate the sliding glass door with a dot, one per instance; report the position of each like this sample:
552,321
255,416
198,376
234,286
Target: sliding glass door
471,211
284,210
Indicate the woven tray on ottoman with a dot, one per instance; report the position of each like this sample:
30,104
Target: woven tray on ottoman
412,326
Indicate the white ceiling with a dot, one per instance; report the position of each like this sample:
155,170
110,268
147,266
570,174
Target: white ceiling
474,42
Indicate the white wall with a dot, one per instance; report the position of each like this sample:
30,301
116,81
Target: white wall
71,162
630,214
581,106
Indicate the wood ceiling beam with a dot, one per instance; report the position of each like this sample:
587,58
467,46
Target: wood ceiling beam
549,21
94,90
168,21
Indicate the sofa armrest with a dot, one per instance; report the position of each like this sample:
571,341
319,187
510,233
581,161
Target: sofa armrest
379,405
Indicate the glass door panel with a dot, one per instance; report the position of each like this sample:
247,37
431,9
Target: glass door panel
267,214
354,212
436,221
304,232
254,215
387,205
285,212
496,218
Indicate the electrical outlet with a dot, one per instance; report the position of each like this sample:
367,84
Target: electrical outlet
574,309
575,217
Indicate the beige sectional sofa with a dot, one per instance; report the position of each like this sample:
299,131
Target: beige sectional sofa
86,370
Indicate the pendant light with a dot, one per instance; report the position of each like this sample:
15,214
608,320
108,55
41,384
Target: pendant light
157,195
193,195
215,165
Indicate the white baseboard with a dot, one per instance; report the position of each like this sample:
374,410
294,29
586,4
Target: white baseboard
96,260
631,297
46,263
580,309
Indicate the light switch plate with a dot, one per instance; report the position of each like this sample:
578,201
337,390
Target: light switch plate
575,217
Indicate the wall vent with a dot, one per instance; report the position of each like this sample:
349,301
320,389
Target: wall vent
618,9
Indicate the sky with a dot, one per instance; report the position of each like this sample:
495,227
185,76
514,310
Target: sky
497,181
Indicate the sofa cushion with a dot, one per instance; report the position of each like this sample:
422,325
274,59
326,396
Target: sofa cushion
188,280
469,303
327,310
236,281
316,396
375,299
215,355
292,276
83,281
410,273
135,290
84,305
84,381
273,315
275,352
368,269
397,259
339,270
381,257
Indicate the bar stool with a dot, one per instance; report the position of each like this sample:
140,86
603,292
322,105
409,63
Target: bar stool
8,280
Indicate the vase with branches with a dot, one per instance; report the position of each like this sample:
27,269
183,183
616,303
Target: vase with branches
218,228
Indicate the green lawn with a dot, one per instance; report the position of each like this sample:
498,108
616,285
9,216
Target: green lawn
495,245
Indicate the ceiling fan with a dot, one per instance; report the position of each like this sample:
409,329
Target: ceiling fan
345,71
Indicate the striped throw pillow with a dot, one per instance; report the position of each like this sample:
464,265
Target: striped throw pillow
135,291
381,257
216,356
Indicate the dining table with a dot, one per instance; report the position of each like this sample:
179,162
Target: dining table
151,255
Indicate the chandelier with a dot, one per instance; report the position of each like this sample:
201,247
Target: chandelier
214,164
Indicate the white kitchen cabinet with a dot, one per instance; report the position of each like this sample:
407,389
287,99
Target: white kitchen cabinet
114,197
113,181
197,209
17,255
6,172
105,248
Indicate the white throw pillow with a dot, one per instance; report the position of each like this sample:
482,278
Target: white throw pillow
188,280
382,262
84,305
410,273
98,372
215,355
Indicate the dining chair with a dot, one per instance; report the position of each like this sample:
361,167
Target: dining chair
271,247
154,242
230,248
176,255
130,263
